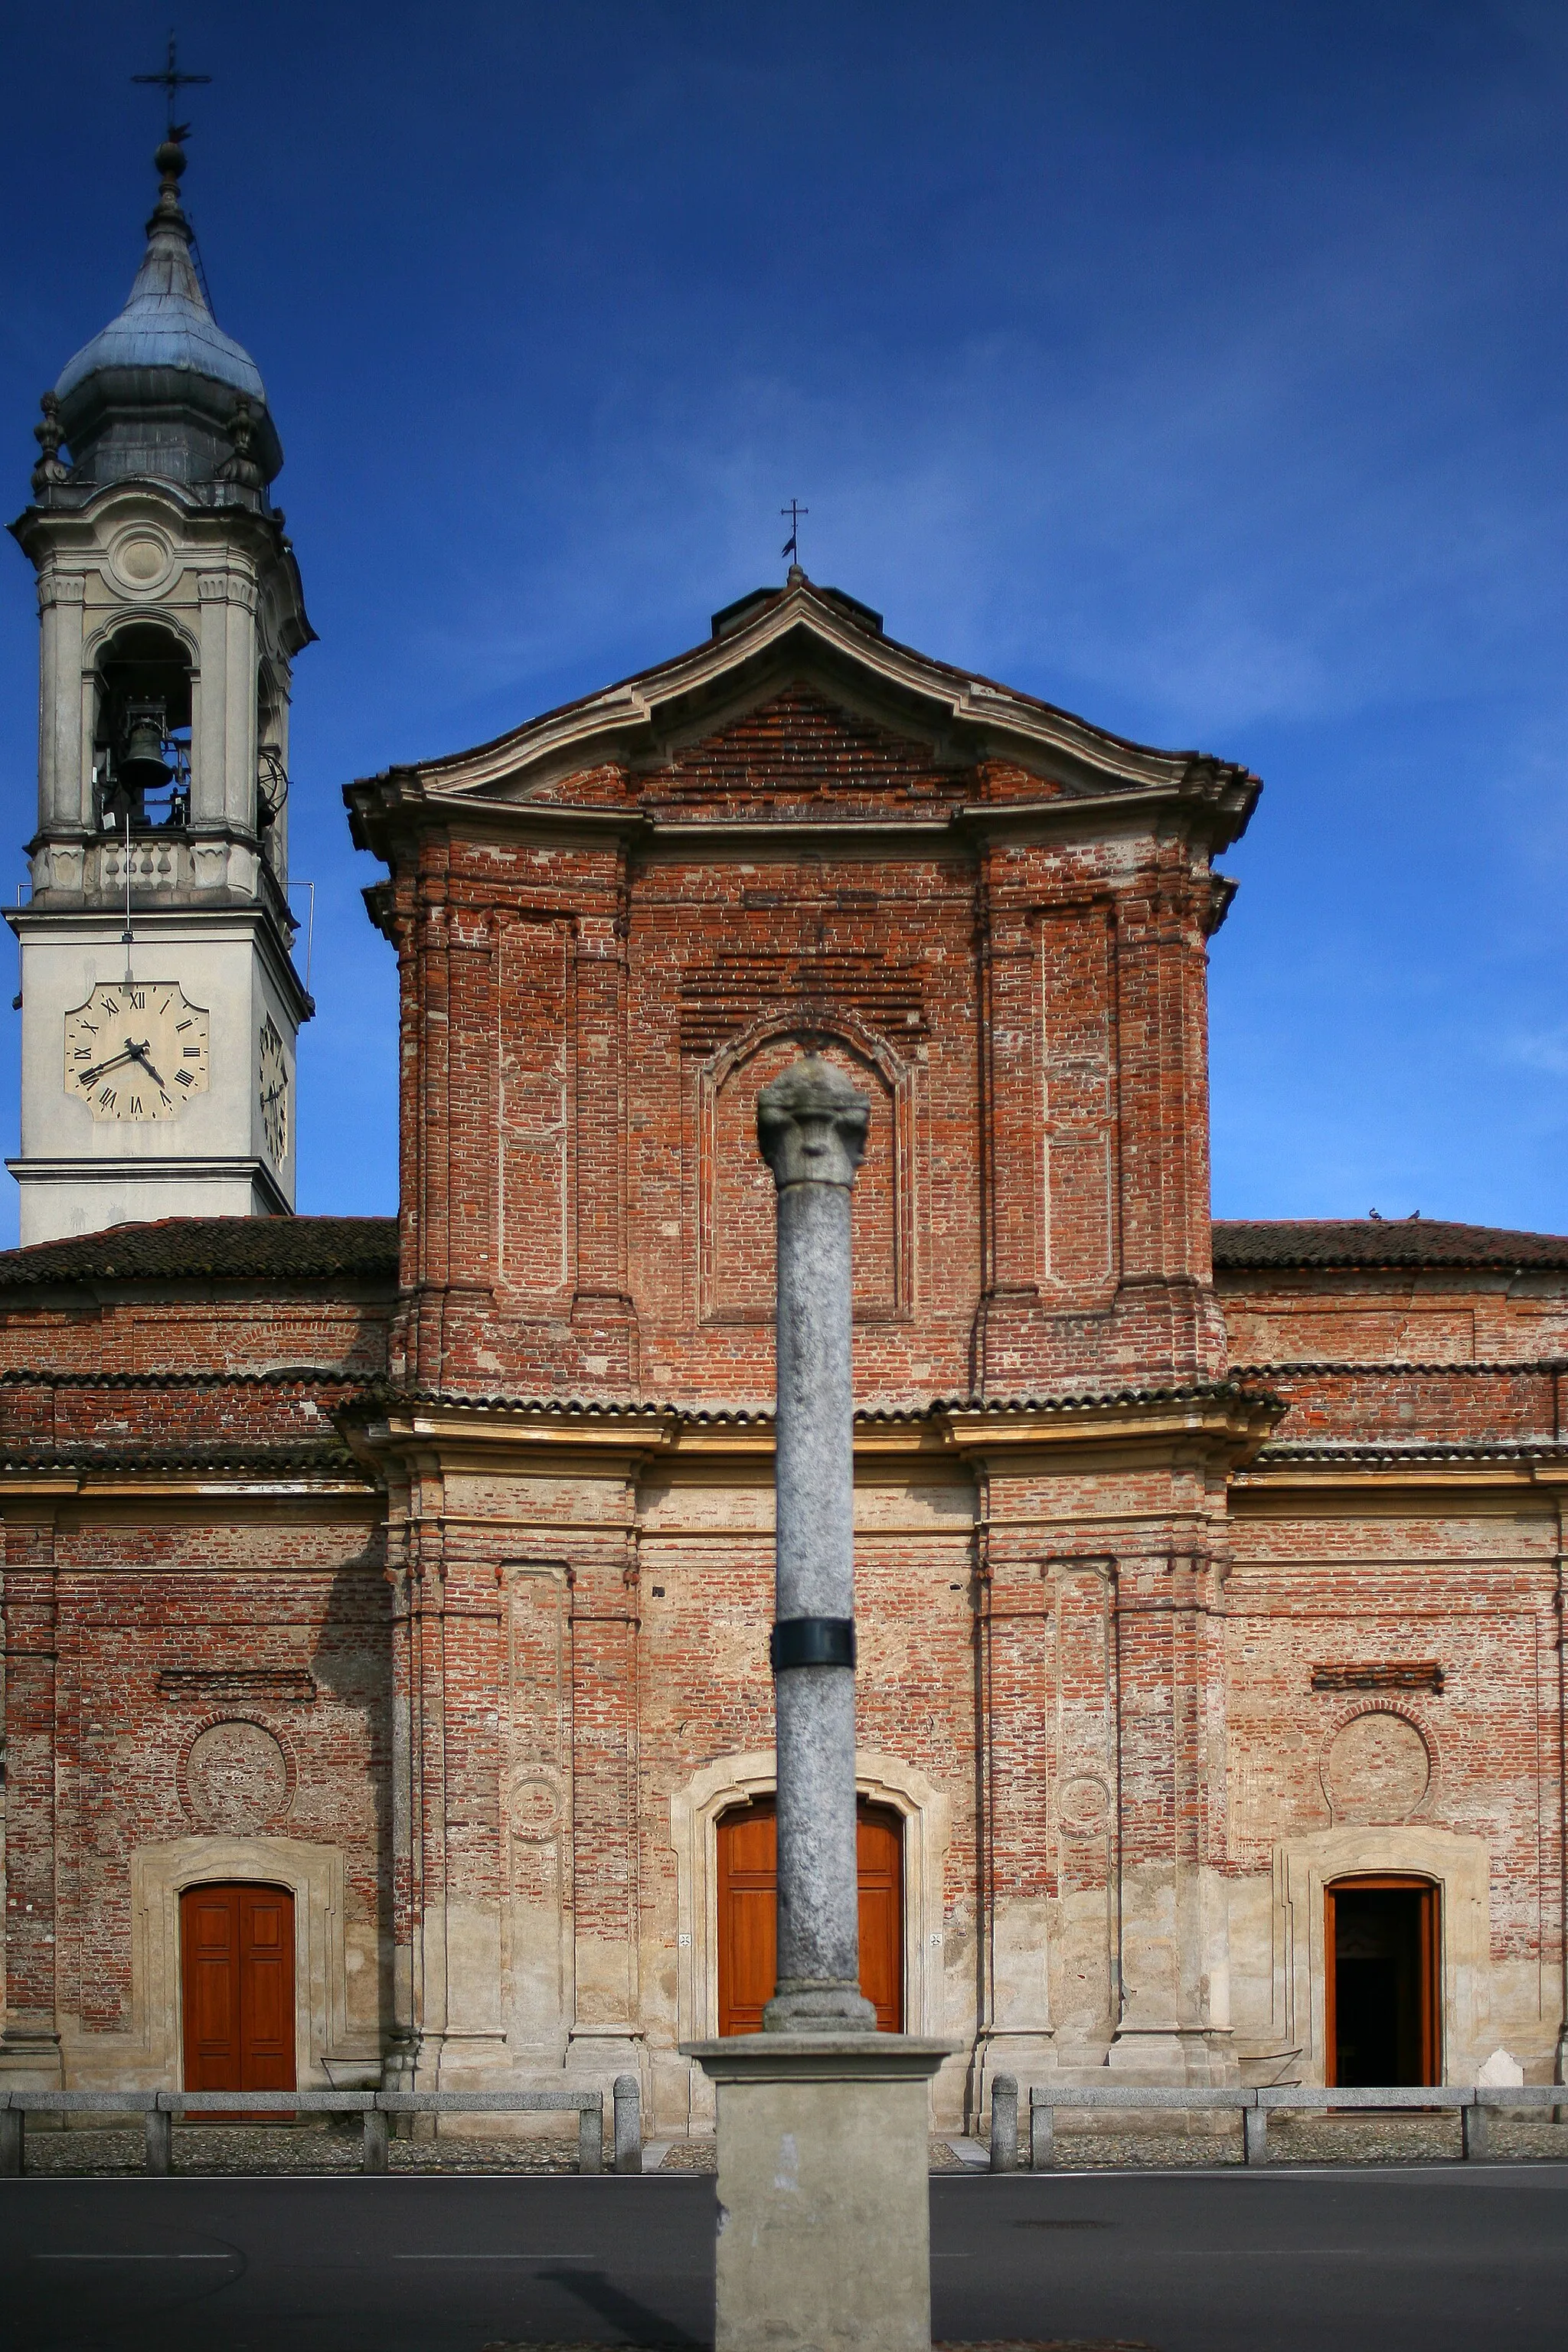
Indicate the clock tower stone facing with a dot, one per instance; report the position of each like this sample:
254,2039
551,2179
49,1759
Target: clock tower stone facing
159,1002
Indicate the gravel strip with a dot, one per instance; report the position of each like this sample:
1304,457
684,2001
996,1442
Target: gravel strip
323,2145
309,2146
1412,2139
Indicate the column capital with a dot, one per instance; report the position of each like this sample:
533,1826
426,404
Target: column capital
57,587
811,1124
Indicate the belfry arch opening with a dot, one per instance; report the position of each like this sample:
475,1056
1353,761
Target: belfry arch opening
271,765
1383,1976
141,730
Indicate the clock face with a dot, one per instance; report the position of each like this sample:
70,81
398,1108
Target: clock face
136,1050
273,1087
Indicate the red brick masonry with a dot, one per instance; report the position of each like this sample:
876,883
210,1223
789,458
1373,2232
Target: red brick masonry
426,1567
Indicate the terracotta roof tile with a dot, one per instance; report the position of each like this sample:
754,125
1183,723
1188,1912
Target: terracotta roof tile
213,1249
307,1249
1240,1243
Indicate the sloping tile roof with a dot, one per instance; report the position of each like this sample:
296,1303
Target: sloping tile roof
307,1249
1240,1242
213,1249
327,1458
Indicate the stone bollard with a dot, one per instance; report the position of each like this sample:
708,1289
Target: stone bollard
375,2155
1042,2139
1254,2134
1004,2123
158,2141
591,2137
13,2143
628,2124
1473,2133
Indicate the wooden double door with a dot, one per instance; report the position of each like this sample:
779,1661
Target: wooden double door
237,1950
748,1913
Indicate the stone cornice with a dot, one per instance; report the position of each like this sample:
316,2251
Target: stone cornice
969,719
383,1424
1330,1467
77,531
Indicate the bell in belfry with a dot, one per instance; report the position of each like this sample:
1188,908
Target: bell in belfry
142,767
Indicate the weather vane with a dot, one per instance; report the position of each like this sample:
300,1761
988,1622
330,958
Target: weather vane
172,81
791,544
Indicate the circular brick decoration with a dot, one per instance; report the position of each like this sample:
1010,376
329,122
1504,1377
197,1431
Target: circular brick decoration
535,1807
236,1778
1083,1806
1378,1767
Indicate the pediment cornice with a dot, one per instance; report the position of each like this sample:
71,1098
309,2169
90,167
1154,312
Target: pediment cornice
802,634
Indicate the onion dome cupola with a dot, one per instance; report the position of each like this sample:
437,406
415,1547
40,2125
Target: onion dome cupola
162,394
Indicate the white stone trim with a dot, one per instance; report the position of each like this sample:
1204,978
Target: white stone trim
1459,1865
694,1812
160,1873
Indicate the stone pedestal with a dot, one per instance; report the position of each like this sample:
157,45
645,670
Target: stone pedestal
824,2215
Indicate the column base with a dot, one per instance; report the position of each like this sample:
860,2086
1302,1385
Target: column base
819,2009
31,2060
607,2050
824,2212
1174,2055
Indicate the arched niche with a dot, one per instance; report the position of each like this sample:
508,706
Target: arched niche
736,1186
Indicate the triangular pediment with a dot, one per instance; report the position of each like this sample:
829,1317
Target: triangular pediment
797,702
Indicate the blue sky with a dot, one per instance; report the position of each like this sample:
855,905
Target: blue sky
1199,367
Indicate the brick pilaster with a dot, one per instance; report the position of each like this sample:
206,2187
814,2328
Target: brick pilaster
30,2049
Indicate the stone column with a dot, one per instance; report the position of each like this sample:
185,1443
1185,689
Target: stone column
811,1130
824,2241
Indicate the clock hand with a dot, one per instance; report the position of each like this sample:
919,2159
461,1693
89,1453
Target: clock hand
140,1053
91,1078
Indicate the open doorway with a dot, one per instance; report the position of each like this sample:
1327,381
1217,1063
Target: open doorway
748,1898
1381,1951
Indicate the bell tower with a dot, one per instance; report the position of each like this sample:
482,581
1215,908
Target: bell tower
159,1002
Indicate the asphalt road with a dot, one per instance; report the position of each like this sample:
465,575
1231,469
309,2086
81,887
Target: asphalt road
1430,2259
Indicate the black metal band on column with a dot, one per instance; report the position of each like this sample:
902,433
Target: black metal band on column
812,1641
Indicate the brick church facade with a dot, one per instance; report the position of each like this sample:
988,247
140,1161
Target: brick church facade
418,1572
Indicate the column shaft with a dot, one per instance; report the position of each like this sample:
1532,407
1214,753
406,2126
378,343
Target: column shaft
818,1923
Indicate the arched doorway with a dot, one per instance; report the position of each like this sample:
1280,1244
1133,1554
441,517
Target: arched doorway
748,1893
237,1955
1382,1971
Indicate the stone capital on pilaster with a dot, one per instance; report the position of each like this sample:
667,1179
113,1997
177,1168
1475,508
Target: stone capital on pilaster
227,588
60,588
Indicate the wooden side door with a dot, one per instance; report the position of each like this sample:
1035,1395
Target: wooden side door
748,1913
209,1952
265,1989
880,1857
236,1948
